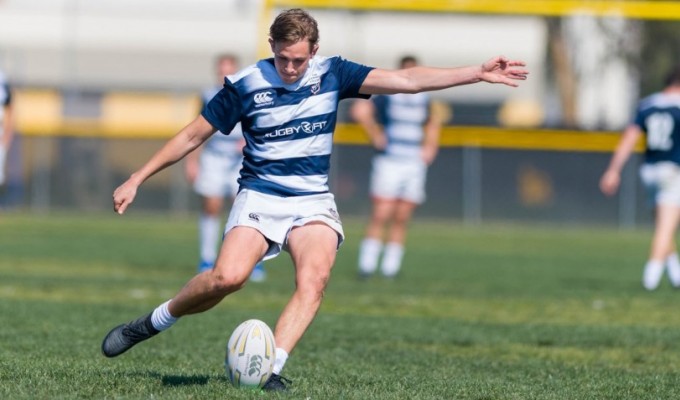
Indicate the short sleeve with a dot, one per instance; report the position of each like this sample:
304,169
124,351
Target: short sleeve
224,110
639,119
351,76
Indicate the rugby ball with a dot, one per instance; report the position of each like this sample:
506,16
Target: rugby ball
250,354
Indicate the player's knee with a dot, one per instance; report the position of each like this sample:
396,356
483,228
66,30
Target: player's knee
227,283
313,286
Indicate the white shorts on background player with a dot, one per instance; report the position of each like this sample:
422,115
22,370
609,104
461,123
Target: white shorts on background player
662,180
218,175
398,178
275,216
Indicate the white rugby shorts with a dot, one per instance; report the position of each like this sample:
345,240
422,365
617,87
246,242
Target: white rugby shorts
276,216
398,178
662,181
218,175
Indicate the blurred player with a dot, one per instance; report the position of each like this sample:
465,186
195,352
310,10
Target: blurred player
6,124
406,134
214,170
658,119
287,106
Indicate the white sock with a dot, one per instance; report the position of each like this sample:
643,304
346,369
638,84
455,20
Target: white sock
369,252
161,318
280,361
652,274
391,263
673,269
208,231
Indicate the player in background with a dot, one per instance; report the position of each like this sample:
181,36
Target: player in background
287,106
405,131
213,169
658,120
6,124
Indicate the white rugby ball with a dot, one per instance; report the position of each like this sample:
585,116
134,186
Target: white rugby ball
250,354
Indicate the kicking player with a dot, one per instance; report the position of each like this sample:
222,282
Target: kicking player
658,119
406,134
214,170
287,106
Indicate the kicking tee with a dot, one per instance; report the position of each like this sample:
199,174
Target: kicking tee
288,127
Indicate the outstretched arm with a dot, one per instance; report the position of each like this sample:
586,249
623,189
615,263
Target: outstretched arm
422,79
609,183
186,140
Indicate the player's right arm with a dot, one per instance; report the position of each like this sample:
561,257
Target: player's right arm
185,141
609,183
363,112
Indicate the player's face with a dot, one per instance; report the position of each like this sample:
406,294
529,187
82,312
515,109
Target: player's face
226,67
292,59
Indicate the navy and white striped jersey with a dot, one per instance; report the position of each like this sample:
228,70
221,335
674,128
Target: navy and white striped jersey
5,98
227,145
659,117
403,117
288,127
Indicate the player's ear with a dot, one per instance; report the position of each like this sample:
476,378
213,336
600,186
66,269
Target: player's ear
315,48
271,44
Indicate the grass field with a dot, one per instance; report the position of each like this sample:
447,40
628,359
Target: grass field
490,312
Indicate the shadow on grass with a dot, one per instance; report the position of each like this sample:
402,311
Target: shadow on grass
179,380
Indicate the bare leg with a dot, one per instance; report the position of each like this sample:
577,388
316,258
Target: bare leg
383,209
402,217
241,249
312,248
667,218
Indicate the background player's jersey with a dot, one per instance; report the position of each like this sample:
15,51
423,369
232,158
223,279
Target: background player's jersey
5,98
403,117
227,145
288,127
659,117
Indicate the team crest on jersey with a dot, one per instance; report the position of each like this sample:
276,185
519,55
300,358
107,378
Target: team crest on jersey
315,81
264,98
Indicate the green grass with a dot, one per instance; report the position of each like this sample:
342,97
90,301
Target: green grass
490,312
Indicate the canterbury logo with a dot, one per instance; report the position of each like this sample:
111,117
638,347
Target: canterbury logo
254,217
255,365
263,98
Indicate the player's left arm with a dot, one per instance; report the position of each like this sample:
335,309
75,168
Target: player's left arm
421,79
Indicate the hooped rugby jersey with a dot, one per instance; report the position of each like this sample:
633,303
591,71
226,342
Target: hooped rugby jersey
659,117
5,98
226,145
403,117
288,127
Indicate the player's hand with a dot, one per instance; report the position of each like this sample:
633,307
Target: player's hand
428,154
609,183
502,70
379,142
123,196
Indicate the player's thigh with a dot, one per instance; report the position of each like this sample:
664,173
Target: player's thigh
241,249
313,248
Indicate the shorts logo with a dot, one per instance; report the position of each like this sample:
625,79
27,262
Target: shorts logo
254,217
263,99
334,214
